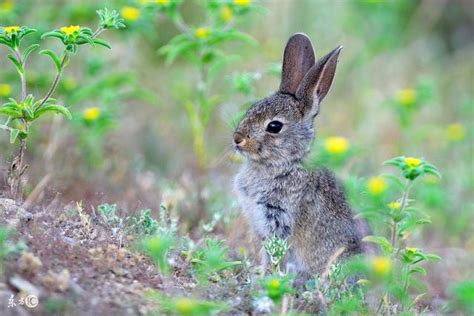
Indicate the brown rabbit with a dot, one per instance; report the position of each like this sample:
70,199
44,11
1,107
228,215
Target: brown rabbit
278,195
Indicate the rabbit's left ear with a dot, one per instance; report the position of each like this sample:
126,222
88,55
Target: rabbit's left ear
298,59
317,81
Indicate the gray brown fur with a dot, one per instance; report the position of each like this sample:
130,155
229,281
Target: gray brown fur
278,195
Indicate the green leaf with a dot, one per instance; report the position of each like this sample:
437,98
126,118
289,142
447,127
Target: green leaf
29,112
9,111
431,170
86,39
14,134
432,257
56,34
418,270
382,241
17,64
101,42
394,161
53,108
28,51
53,56
423,221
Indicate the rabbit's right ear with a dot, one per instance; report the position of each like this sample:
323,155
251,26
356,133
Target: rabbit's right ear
297,61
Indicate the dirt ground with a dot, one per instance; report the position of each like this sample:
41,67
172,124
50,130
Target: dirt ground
73,265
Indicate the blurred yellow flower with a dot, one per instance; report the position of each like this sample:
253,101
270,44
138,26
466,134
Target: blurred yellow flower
274,284
11,29
411,250
7,5
381,266
336,145
92,113
412,162
130,13
407,97
202,32
185,306
163,2
226,14
394,205
242,3
455,132
71,29
377,185
5,89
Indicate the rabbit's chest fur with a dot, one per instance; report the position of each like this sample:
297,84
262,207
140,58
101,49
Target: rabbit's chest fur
269,199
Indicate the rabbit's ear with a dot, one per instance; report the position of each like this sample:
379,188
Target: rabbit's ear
297,61
316,83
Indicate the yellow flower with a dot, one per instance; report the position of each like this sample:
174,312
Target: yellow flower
412,162
455,132
7,5
185,306
71,29
407,97
377,185
202,32
381,266
394,205
91,114
242,3
5,90
11,29
130,13
411,250
274,284
226,14
163,2
336,145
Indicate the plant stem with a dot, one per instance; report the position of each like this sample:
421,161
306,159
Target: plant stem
22,75
55,81
16,172
97,32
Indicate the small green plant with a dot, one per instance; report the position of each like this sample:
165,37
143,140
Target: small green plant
145,224
276,248
276,286
157,247
6,247
211,259
26,109
397,268
186,306
109,213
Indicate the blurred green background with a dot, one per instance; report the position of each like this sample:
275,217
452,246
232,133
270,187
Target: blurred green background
404,86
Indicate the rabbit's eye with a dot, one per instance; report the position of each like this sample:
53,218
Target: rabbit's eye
274,127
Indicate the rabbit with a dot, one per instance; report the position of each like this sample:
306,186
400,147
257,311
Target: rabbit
279,197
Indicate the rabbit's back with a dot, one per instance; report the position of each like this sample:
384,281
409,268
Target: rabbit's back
324,227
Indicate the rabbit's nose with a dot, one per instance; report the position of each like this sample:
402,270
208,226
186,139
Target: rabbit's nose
239,139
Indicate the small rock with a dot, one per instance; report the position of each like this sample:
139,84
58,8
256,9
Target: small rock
24,286
14,214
